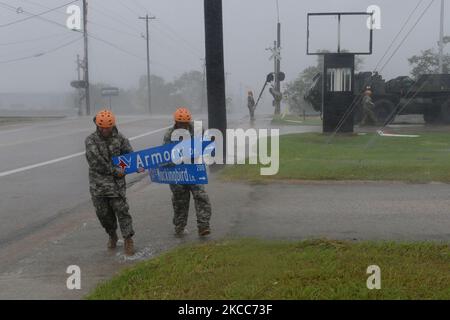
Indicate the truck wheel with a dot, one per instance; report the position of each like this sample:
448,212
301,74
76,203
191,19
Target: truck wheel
384,111
445,112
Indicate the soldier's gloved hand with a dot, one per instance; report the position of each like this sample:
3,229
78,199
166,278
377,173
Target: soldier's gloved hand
119,172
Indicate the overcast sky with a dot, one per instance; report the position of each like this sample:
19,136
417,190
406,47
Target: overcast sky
177,40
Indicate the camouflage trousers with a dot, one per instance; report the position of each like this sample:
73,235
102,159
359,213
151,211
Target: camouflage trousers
252,113
369,118
181,195
109,210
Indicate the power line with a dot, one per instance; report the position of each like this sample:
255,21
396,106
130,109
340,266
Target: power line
408,34
141,7
95,37
116,30
176,42
129,9
33,15
36,16
109,13
168,35
40,54
113,16
152,62
90,35
170,29
101,11
33,40
171,32
398,34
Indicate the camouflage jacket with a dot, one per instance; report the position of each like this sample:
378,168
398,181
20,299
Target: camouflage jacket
103,176
367,102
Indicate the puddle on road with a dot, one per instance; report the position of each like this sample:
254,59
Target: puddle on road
143,254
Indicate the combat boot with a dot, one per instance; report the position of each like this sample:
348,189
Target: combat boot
112,243
203,232
181,232
129,246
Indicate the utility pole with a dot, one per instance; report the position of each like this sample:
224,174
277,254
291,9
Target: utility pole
79,91
86,58
241,105
149,90
275,66
278,69
203,104
441,40
215,69
78,67
228,98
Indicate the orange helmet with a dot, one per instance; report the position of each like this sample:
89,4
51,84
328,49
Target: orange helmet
105,119
182,115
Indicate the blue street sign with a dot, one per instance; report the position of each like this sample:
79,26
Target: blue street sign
180,174
166,154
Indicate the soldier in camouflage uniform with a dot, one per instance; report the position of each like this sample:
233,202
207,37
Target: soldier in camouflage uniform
107,183
369,117
181,193
251,105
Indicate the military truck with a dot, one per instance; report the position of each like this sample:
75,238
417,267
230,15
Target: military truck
428,96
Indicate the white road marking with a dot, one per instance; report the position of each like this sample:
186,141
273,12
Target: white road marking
52,126
148,133
71,156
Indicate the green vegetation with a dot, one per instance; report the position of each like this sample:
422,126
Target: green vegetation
16,120
315,156
315,269
13,120
297,120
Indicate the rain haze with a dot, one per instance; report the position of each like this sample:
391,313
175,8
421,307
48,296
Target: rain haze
38,56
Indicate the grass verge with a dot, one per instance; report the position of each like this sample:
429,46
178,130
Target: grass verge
315,269
17,120
370,157
293,120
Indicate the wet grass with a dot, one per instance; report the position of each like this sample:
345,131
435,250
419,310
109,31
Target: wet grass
17,120
293,120
315,269
314,156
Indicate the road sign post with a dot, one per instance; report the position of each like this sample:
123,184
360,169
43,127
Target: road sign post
110,92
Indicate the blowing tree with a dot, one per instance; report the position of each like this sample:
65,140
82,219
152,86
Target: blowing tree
428,62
